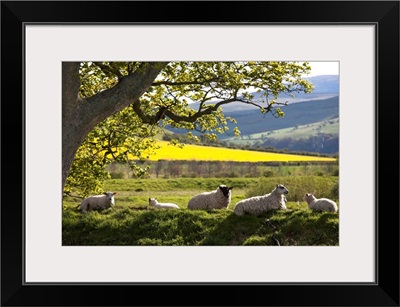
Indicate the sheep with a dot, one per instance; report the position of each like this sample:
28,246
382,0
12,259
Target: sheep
217,199
320,204
257,205
102,201
154,203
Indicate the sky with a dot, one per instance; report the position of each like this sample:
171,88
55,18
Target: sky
324,68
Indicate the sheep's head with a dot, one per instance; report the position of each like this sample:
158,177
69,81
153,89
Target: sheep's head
152,201
225,190
309,197
282,189
110,197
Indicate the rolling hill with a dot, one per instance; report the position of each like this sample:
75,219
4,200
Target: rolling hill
301,113
311,121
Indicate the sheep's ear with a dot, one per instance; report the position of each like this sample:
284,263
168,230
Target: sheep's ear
105,193
230,188
115,193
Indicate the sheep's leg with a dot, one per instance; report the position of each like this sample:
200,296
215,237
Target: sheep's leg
86,208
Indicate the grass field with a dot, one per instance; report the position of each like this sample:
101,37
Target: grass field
132,222
207,153
295,133
303,131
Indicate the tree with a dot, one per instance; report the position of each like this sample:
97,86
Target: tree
111,110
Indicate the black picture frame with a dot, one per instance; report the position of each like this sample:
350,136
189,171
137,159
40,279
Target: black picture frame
383,14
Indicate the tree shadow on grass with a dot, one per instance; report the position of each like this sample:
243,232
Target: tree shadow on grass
278,227
200,228
235,231
307,228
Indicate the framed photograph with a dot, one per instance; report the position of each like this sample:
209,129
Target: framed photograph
43,42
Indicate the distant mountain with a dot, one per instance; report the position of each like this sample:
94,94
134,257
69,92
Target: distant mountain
251,121
304,109
325,83
301,113
321,137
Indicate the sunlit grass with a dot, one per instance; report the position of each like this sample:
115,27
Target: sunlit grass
132,222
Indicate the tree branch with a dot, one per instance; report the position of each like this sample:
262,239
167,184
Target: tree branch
184,82
166,112
151,120
198,114
104,104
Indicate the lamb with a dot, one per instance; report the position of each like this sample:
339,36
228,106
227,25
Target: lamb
154,203
217,199
259,204
320,204
102,201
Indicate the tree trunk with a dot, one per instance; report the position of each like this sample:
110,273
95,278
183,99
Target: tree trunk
80,116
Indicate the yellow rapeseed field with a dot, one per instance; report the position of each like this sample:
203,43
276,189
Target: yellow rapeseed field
205,153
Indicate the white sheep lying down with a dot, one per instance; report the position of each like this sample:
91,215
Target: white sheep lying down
156,204
259,204
320,204
94,202
217,199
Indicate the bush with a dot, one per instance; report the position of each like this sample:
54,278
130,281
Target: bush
335,191
335,171
117,175
268,173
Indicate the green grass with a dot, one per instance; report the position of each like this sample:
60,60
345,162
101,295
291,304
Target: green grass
124,226
139,185
322,186
296,133
132,222
305,131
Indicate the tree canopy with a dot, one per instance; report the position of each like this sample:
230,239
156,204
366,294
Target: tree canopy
121,106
